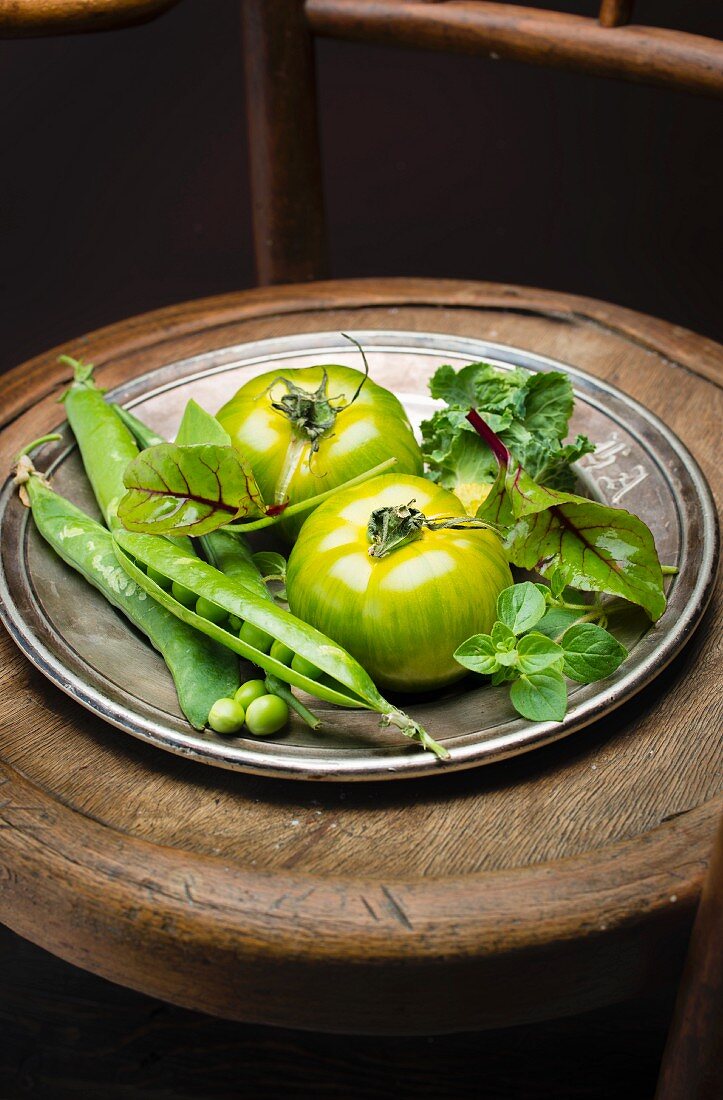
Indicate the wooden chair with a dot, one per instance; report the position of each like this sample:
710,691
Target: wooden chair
290,246
692,1067
288,212
287,199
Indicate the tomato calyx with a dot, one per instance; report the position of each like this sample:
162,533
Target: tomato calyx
391,527
313,413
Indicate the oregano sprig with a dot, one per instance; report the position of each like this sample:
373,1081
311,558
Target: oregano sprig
538,640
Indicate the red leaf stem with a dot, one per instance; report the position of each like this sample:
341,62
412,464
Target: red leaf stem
494,442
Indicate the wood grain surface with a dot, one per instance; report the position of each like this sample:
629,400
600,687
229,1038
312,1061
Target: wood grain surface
543,885
28,18
286,190
538,36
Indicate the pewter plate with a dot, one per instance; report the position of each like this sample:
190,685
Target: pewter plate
88,650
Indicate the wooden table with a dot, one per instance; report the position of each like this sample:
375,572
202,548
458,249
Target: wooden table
544,885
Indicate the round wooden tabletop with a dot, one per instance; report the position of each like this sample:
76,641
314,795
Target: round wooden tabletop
546,884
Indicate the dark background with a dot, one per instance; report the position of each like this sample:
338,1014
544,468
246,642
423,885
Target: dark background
123,174
123,187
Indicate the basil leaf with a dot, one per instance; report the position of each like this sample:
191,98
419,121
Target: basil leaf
199,426
557,583
185,490
504,675
540,696
536,652
270,564
478,653
591,653
521,606
556,621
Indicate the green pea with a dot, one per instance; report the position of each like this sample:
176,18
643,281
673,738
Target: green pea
266,715
305,668
234,623
159,578
256,637
283,653
226,716
183,595
252,689
209,610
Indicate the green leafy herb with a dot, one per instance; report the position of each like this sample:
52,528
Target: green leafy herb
189,490
198,427
541,696
535,663
521,607
535,653
528,411
270,564
575,542
590,653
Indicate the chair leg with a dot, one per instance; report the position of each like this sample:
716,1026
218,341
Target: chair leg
286,187
692,1066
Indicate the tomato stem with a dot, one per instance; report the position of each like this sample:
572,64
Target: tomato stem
389,528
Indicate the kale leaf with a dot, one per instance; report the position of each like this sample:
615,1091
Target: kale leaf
529,411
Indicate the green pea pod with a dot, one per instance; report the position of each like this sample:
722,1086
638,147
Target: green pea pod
143,435
202,670
230,553
106,445
346,682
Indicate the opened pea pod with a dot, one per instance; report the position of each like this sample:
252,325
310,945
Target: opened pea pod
343,681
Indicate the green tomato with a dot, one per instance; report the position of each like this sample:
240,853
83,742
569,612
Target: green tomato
252,689
281,652
303,432
255,636
403,614
226,716
266,715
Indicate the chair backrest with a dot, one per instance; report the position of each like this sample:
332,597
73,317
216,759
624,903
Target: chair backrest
31,18
286,191
288,213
